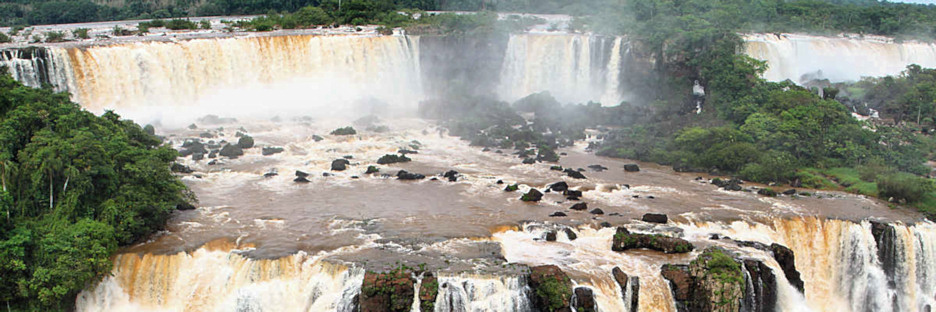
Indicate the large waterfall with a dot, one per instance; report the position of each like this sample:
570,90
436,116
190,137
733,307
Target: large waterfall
803,57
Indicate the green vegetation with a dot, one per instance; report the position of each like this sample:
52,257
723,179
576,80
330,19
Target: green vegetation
73,188
721,266
344,131
81,33
4,38
554,292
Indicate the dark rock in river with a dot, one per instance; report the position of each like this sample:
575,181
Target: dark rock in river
579,206
406,151
198,156
551,289
213,154
301,180
372,169
655,218
787,261
560,186
572,193
451,175
267,151
529,161
317,138
392,159
512,188
760,295
583,300
179,168
627,283
631,168
404,175
184,206
532,196
245,142
767,192
551,236
624,240
231,151
301,174
558,214
340,164
574,174
680,281
597,211
570,234
790,192
597,168
555,168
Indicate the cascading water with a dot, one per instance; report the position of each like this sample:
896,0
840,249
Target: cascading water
573,68
217,278
37,66
465,293
803,57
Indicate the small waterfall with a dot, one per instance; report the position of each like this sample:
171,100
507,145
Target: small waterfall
35,66
210,279
469,293
803,57
573,68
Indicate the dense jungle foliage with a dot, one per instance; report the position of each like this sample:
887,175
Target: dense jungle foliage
73,188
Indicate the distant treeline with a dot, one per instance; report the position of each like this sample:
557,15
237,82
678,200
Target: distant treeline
860,16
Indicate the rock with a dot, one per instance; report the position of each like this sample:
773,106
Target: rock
627,283
532,196
574,174
214,162
529,161
551,236
579,206
572,193
372,169
718,282
387,292
213,154
597,168
631,168
192,127
787,261
428,291
392,159
733,185
767,192
404,175
551,289
231,151
267,151
214,120
679,279
597,211
348,157
789,192
451,175
344,131
326,174
555,168
206,135
193,146
719,182
301,174
340,164
317,138
560,186
583,300
762,297
198,156
270,174
245,142
655,218
301,180
558,214
624,240
185,206
179,168
605,224
512,188
570,234
406,151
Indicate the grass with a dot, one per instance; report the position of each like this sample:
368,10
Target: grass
849,180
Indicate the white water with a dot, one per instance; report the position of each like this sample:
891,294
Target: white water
470,293
795,56
571,67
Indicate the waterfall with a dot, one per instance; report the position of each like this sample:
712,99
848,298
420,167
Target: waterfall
210,279
295,74
573,68
469,293
37,66
803,57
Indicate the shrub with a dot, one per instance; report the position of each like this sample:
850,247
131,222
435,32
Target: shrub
204,24
54,36
5,39
344,131
177,24
81,33
903,186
